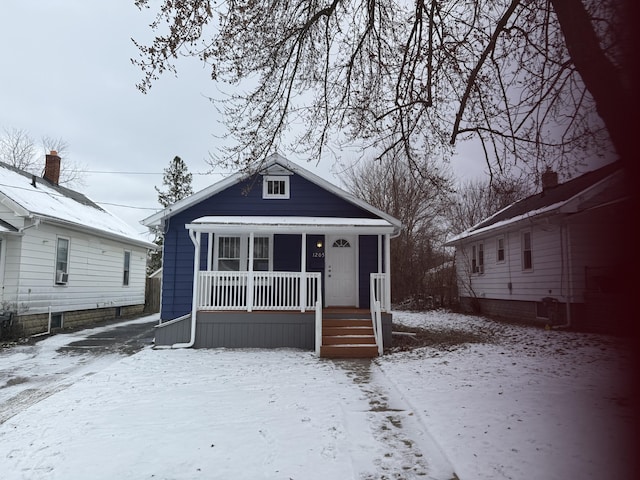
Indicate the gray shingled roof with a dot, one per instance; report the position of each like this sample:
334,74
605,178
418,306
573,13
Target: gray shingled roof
560,193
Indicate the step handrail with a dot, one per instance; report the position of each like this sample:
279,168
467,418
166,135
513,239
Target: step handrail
376,316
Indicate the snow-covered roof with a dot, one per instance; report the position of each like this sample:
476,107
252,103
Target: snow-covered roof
273,160
562,198
34,197
291,224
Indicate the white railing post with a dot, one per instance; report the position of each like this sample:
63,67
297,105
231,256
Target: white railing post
375,290
250,277
318,305
303,274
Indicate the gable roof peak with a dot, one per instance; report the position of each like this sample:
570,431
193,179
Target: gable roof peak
274,160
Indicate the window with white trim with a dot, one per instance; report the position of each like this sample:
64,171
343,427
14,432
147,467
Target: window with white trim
275,186
232,253
126,268
261,254
229,254
62,261
500,250
477,258
527,251
341,243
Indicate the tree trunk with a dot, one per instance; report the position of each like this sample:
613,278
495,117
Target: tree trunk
609,85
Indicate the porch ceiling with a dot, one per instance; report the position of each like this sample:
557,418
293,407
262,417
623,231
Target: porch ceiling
281,224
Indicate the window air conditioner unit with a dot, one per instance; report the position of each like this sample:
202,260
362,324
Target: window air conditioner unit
62,277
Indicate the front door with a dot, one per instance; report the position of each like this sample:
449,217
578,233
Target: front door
340,271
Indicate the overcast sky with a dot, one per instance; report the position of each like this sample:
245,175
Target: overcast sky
66,73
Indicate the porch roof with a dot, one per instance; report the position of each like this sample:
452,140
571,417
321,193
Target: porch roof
280,224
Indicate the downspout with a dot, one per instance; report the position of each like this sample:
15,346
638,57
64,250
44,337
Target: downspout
195,238
36,224
569,296
48,326
387,270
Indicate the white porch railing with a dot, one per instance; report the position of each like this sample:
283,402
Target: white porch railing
379,290
258,290
377,295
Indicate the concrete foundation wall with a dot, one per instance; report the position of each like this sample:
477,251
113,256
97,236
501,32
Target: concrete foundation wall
26,325
605,317
250,330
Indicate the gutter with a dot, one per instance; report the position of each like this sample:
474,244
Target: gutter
116,236
195,238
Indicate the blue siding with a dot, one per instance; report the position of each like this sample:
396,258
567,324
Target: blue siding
286,253
306,199
245,198
368,260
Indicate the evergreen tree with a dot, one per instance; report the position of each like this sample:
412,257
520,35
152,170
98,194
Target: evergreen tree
177,181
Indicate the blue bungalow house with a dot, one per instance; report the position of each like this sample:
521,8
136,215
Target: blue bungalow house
280,258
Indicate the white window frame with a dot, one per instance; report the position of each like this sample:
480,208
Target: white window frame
284,195
216,252
126,269
244,250
503,249
523,236
61,277
3,255
477,258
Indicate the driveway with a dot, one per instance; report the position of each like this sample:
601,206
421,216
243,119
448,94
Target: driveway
49,364
124,338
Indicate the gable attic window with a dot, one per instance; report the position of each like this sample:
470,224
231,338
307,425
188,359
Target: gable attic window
275,186
62,261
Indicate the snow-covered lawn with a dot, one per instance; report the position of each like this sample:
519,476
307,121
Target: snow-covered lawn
515,403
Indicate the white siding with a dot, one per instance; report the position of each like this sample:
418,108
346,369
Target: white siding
95,272
562,254
543,280
12,249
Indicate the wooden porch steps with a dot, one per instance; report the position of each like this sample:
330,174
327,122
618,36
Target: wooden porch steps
348,338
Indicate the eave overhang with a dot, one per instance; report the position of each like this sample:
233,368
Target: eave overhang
293,225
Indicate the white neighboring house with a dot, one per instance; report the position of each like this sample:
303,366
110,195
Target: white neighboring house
64,260
555,257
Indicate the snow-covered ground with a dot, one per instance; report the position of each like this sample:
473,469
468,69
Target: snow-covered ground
514,402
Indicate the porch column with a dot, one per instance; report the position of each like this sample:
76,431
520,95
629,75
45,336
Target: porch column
210,251
303,274
250,281
387,272
379,253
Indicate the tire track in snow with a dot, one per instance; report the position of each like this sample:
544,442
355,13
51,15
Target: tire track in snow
49,385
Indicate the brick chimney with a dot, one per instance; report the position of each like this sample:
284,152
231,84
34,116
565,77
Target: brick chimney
549,179
52,167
